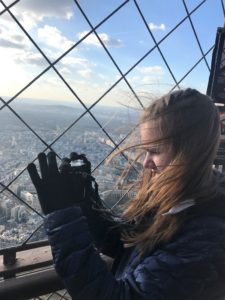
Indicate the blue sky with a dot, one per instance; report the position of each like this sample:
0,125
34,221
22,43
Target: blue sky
56,25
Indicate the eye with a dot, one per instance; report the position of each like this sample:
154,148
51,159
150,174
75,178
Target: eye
153,151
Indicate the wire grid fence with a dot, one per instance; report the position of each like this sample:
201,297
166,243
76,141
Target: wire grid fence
61,295
123,77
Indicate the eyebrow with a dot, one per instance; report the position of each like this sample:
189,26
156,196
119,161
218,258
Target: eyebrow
149,147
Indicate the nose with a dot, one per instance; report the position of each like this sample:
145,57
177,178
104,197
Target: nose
148,162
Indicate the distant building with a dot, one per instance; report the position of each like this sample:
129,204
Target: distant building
6,207
27,196
2,229
19,189
19,214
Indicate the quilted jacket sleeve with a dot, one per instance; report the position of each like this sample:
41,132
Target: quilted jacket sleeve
192,267
104,230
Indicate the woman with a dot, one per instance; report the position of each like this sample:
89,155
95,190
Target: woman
171,243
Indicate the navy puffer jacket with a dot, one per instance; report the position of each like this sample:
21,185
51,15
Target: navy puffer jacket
190,267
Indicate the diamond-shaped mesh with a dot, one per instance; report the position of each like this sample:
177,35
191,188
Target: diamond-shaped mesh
61,295
87,125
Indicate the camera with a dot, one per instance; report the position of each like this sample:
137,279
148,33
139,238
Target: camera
79,163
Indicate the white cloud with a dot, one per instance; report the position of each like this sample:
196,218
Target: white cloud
150,74
70,61
9,39
86,73
11,43
31,12
151,79
106,39
65,71
101,76
151,70
14,76
31,58
153,26
8,2
53,37
134,79
1,7
145,79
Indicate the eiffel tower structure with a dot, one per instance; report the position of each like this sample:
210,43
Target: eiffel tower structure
216,89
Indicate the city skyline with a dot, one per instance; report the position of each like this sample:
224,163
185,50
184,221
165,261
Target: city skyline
20,213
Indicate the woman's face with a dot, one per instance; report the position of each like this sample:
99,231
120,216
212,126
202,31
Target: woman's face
157,156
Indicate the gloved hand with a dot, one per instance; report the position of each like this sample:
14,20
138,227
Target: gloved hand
99,218
56,190
78,169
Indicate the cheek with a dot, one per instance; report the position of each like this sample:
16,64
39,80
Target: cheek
162,161
166,159
158,162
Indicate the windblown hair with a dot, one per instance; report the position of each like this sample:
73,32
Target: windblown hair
189,121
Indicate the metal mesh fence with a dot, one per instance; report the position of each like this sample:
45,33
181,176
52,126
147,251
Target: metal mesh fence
27,130
62,295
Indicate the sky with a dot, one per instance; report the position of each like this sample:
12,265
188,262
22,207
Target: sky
57,25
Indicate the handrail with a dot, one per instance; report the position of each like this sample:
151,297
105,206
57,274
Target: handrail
25,246
31,274
40,278
24,258
30,285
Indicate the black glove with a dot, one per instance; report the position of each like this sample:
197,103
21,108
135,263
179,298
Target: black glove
78,169
99,218
56,190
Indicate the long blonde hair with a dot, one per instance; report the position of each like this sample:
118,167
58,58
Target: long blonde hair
189,121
